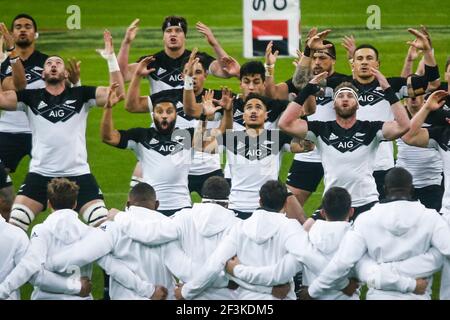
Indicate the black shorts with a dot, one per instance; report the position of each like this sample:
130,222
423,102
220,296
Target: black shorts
5,179
35,187
305,175
430,196
379,180
13,147
196,182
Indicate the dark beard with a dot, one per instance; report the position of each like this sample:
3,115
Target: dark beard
169,128
23,43
346,115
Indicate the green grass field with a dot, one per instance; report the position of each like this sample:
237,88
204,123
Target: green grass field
113,167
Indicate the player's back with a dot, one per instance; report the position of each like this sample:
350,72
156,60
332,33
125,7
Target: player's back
147,261
61,229
262,241
13,245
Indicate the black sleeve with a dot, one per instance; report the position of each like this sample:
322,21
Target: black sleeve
24,96
88,92
439,116
315,127
397,83
291,87
284,138
435,132
135,134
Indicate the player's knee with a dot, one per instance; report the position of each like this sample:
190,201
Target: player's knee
21,216
95,213
135,180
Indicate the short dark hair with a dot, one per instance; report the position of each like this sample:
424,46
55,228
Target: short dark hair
26,16
398,179
62,193
253,67
171,21
266,101
336,203
367,46
142,195
273,195
202,59
216,188
161,97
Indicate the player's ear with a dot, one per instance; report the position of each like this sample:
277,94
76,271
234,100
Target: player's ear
323,214
156,204
74,205
49,205
351,212
36,35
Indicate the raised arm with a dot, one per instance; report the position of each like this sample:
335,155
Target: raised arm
190,105
400,125
219,66
109,134
206,140
423,43
101,95
134,102
412,55
8,100
17,81
289,120
349,43
126,69
418,136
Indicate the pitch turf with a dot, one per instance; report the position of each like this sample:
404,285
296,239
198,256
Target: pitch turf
113,167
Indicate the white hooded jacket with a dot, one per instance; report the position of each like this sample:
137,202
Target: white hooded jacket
259,240
389,232
60,229
197,231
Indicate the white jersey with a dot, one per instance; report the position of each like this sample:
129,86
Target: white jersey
59,230
252,161
165,161
373,107
324,112
150,264
440,141
260,240
424,164
198,230
202,162
13,121
391,231
348,156
13,245
58,125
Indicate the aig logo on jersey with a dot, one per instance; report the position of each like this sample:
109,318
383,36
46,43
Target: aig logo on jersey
370,98
60,112
344,144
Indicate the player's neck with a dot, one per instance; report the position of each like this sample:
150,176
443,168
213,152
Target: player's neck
365,80
25,53
174,54
254,132
55,89
346,123
412,111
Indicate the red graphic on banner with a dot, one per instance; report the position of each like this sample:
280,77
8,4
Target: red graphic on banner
267,28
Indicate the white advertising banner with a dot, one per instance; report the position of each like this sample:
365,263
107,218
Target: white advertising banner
271,20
